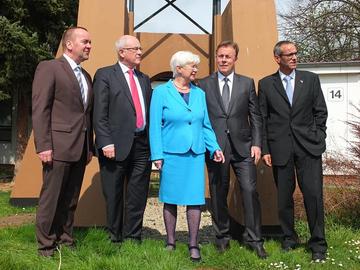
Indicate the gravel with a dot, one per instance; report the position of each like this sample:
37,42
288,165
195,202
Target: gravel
154,224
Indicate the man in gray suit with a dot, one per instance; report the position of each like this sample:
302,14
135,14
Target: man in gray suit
62,101
234,114
121,109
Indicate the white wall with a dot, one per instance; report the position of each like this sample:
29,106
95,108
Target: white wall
340,84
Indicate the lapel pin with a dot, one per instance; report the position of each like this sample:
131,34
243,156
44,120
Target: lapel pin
301,81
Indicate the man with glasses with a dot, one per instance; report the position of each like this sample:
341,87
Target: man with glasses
234,114
294,129
121,105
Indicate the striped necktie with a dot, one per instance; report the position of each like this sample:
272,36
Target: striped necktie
82,89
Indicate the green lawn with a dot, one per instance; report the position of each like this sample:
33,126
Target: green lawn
6,209
18,251
94,252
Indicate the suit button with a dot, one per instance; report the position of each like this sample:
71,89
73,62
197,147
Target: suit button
289,134
189,123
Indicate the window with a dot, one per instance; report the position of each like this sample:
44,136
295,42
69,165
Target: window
5,120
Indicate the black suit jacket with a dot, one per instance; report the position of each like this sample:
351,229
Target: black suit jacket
114,110
305,120
242,121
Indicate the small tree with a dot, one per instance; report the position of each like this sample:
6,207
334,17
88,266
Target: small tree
324,30
30,31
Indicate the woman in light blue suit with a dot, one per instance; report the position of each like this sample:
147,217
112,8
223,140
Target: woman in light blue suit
180,133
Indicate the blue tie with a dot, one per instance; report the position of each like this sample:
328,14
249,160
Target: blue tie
289,90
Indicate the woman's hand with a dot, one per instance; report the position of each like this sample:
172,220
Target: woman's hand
158,164
219,156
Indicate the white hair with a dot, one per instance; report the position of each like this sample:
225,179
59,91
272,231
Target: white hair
120,43
183,58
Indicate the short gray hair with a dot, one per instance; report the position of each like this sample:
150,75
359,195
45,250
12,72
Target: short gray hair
277,47
182,58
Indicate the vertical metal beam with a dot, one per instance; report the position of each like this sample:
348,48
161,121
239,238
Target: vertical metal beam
216,36
131,17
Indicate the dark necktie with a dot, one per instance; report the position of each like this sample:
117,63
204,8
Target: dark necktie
82,89
136,100
226,94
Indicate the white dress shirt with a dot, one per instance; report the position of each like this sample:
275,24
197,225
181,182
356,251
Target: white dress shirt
221,81
83,80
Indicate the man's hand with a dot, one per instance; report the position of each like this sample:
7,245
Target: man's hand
267,160
256,153
90,155
46,156
109,151
219,156
158,164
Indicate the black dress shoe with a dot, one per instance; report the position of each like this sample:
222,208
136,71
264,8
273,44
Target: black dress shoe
290,243
318,256
258,247
170,246
222,245
48,253
195,259
287,247
260,251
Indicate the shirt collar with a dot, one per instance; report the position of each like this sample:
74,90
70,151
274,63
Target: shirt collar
291,75
124,68
72,63
230,76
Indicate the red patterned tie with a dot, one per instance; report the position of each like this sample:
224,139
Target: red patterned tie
136,100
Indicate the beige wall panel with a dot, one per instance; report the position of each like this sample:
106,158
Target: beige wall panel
158,49
254,28
28,178
250,23
105,21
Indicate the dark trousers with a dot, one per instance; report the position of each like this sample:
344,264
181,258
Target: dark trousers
308,171
57,203
125,206
219,178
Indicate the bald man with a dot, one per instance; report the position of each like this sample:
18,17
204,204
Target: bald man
62,102
122,98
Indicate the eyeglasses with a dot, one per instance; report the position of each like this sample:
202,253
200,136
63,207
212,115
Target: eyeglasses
134,49
289,54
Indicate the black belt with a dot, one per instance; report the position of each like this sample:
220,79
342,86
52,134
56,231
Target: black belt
140,133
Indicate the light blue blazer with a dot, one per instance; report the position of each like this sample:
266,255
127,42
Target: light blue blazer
177,127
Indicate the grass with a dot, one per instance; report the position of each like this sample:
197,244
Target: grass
6,209
94,252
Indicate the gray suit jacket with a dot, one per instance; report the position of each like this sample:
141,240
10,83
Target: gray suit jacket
242,122
114,110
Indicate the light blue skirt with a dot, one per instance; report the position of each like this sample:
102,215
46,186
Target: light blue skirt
182,179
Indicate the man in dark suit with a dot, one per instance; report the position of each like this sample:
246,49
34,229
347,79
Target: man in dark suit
62,101
234,114
122,99
294,116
